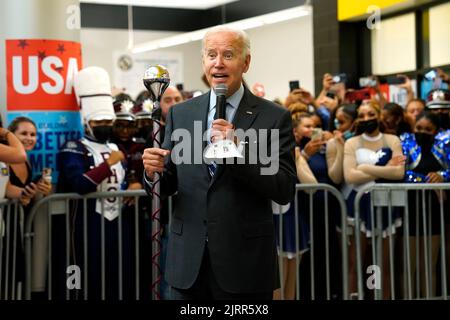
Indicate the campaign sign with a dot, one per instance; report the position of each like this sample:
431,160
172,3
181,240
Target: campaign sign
39,78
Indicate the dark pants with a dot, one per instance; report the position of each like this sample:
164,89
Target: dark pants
207,288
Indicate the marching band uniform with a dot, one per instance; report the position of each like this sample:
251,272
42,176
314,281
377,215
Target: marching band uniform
84,169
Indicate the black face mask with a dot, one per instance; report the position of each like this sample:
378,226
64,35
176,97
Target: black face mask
102,133
144,132
368,126
424,140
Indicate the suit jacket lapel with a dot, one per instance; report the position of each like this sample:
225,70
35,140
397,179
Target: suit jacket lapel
247,111
243,119
201,114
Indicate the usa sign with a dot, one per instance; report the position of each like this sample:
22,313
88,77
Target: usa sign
39,78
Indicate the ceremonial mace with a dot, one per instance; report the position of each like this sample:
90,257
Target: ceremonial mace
156,80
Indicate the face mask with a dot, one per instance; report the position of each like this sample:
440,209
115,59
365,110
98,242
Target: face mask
348,134
336,124
145,132
368,126
102,133
424,140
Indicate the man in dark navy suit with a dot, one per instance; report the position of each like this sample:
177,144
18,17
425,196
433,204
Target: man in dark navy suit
221,238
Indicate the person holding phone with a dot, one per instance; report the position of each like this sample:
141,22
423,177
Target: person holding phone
311,144
288,250
11,151
342,125
300,95
22,185
406,84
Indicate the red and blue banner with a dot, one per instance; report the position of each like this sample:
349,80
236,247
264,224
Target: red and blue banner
39,79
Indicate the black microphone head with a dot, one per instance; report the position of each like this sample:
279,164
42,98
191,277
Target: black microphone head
221,89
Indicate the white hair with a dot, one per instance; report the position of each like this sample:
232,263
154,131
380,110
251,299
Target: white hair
240,34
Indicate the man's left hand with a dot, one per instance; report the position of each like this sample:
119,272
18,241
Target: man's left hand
222,129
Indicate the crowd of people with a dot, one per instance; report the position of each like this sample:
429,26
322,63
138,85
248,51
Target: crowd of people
350,144
337,139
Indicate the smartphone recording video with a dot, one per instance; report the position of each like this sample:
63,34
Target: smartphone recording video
341,77
431,75
367,82
316,134
295,84
331,95
37,179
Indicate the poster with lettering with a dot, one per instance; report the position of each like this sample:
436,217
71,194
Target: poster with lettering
39,79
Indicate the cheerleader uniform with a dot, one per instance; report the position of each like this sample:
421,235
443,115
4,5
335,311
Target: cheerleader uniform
379,157
421,160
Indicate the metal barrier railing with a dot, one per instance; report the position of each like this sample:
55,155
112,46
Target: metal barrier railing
418,199
67,205
11,251
313,191
384,198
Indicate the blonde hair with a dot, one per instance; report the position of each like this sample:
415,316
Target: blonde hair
373,104
297,107
297,117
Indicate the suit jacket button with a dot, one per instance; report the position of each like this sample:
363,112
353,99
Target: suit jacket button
205,222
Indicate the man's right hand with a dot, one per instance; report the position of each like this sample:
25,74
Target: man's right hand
153,159
114,157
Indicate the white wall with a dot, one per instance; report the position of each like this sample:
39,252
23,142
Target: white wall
280,52
394,45
439,37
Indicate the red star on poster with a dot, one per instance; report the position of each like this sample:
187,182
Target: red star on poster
61,48
41,55
22,44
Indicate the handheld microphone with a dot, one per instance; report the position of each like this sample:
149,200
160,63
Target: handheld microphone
221,100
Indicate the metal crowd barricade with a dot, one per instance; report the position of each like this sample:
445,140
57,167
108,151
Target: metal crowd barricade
394,196
62,204
311,190
11,251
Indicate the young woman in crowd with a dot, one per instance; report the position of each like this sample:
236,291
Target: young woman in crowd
394,119
414,108
341,124
311,141
21,184
11,151
285,215
370,157
428,161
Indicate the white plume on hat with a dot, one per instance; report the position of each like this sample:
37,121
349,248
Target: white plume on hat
93,91
147,105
